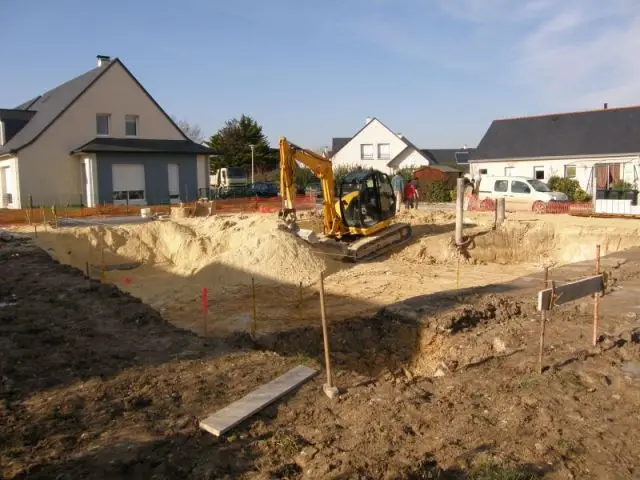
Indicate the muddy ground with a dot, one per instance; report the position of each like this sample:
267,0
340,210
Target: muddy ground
95,384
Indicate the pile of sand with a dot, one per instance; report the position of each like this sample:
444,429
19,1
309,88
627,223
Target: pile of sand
228,250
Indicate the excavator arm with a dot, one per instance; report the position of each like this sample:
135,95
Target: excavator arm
322,168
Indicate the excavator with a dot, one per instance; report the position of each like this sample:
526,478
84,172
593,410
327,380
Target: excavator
359,222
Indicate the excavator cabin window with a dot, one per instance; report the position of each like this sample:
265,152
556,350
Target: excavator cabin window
366,199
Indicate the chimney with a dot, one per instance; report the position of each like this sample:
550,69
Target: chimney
103,60
606,105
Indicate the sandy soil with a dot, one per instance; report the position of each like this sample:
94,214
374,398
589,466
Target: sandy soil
95,384
222,254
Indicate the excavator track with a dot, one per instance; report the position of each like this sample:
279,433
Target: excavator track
375,245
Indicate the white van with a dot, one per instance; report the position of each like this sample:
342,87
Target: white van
521,193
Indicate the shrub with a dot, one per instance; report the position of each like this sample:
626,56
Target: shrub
341,171
407,173
438,191
570,187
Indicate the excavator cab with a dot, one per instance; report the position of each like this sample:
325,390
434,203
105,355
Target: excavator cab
366,199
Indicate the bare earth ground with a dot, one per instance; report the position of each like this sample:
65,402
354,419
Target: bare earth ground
96,384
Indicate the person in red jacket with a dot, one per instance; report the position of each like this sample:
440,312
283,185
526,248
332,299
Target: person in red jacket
410,195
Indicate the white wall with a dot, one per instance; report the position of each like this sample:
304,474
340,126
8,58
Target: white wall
375,133
11,178
50,173
552,167
410,157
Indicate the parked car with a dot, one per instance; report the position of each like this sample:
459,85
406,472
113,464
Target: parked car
520,193
263,189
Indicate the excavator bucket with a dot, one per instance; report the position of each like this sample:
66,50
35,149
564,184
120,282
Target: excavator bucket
288,223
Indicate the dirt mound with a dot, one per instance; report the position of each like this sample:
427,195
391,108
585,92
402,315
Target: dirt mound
515,242
229,249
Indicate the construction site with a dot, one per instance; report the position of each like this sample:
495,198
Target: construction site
119,339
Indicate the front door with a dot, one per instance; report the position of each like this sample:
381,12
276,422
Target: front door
174,183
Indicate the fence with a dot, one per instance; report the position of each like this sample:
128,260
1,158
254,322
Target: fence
48,214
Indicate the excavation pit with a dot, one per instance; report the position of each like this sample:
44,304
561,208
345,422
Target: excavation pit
223,253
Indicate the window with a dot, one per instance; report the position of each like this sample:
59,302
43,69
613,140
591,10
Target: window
384,153
128,195
519,187
102,124
131,125
570,171
366,151
483,171
538,173
539,186
501,186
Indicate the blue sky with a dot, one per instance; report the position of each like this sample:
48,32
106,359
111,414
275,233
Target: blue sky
437,71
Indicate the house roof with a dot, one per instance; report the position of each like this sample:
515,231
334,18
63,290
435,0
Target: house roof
141,145
442,168
447,157
13,114
49,106
339,142
596,132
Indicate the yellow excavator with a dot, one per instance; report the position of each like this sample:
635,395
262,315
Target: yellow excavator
359,222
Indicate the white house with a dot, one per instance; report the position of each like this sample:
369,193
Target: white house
98,138
598,148
377,146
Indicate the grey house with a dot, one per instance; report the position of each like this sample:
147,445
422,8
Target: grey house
98,138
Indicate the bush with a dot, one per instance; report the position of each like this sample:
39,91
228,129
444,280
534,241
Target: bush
406,173
570,187
341,171
438,191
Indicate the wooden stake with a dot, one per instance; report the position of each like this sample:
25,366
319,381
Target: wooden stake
102,274
543,321
254,325
546,277
500,209
596,300
325,333
205,309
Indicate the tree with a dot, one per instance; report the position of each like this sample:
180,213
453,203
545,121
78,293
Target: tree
232,143
191,130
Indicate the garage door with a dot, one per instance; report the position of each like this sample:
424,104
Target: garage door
128,184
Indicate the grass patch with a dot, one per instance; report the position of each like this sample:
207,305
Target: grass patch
494,471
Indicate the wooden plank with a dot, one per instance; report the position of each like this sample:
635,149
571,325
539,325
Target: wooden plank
230,416
571,291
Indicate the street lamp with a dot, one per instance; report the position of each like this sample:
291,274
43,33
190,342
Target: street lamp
253,147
